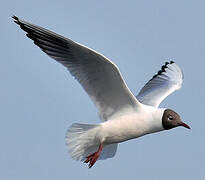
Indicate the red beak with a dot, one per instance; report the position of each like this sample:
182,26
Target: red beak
184,124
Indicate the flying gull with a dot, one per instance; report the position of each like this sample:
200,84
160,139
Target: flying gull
123,115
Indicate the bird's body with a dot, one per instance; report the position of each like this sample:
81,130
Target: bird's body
124,116
133,124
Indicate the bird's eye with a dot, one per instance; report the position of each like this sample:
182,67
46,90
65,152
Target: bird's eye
170,117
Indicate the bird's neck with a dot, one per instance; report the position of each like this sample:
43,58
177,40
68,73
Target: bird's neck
154,122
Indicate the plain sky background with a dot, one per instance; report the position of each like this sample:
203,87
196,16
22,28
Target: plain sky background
39,99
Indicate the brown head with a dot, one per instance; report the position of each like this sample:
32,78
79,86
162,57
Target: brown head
171,119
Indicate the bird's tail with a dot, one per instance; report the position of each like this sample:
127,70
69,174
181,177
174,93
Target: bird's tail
83,140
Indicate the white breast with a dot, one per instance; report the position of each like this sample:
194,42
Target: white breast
131,125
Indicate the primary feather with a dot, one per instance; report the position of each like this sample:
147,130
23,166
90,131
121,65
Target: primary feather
165,82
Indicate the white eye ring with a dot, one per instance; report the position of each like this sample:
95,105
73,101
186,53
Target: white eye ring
170,117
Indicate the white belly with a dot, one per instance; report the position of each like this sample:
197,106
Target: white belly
128,127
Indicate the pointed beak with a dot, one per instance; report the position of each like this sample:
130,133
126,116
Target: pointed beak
184,125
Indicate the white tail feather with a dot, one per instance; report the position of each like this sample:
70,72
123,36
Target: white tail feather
82,140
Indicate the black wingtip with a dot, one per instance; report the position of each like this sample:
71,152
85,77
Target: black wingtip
16,19
171,62
163,69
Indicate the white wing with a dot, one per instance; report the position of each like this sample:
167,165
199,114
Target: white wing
166,81
99,77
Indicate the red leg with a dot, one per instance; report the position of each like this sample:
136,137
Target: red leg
91,159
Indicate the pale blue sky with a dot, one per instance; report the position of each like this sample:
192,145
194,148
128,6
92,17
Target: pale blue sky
39,99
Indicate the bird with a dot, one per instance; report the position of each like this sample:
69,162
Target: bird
124,116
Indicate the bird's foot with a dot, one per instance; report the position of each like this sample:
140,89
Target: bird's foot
91,159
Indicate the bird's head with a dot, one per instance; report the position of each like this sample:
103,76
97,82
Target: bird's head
171,119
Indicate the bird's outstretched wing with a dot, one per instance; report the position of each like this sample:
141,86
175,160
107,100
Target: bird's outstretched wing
100,78
166,81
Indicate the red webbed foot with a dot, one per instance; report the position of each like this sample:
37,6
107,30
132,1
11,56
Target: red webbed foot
91,159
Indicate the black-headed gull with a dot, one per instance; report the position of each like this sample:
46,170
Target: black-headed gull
124,116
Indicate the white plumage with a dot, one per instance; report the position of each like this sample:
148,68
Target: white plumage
124,116
161,85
